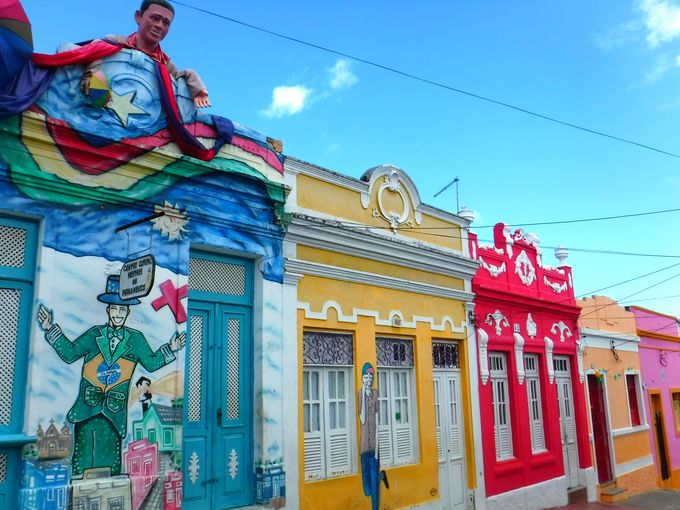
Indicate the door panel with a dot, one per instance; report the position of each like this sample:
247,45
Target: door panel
450,443
600,429
567,423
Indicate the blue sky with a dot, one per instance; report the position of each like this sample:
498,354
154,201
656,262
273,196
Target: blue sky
612,66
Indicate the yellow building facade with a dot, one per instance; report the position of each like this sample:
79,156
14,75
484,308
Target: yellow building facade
619,427
382,358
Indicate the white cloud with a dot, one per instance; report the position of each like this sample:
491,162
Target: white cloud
620,35
662,19
663,64
287,101
342,76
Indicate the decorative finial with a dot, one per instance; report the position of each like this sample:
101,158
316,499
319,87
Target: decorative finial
561,254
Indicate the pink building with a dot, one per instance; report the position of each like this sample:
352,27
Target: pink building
173,491
141,460
660,367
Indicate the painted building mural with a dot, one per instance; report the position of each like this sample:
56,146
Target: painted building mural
531,381
112,239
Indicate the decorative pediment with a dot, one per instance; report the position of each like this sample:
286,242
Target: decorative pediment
392,196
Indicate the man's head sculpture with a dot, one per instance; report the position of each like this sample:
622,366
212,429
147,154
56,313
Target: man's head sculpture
153,18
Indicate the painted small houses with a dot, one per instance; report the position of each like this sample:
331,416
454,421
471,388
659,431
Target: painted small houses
534,431
660,366
619,423
379,356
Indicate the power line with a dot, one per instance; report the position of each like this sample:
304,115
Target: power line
429,81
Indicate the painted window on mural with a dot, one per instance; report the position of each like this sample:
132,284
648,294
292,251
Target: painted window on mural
328,404
533,384
498,376
675,399
634,405
397,419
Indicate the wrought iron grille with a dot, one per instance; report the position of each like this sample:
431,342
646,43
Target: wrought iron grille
326,348
217,277
10,300
3,467
445,355
12,246
195,367
394,352
233,373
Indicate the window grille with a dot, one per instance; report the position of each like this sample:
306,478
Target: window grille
12,246
217,277
394,352
445,355
326,348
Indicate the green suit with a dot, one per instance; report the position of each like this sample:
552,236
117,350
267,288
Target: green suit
100,411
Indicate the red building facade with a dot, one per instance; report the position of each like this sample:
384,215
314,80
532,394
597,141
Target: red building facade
534,435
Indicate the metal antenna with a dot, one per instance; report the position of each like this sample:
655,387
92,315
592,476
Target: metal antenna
455,181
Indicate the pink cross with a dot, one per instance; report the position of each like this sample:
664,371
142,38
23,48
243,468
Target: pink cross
171,297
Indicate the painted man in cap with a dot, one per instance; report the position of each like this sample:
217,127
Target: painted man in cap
111,353
368,417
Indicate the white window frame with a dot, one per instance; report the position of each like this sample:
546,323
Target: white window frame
533,383
324,441
397,416
502,427
638,391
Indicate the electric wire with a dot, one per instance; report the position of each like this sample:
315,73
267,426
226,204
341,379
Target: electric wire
434,83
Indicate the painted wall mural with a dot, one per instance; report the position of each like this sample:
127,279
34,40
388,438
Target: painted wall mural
105,394
368,418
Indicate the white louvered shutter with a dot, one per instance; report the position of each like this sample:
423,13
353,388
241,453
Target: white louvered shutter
338,444
315,460
438,419
533,385
454,413
501,406
568,412
384,413
401,419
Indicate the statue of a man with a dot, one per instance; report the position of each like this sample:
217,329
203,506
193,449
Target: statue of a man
154,18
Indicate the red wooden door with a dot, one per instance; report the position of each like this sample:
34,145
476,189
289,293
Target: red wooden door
600,429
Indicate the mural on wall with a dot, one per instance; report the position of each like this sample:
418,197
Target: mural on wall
111,353
368,418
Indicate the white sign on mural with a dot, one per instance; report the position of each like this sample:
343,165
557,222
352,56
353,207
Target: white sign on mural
136,277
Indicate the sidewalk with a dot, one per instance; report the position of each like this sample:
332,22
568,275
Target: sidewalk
654,500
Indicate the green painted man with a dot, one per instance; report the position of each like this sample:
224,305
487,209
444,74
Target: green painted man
111,353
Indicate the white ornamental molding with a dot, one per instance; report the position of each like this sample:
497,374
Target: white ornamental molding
233,464
564,330
499,319
394,181
483,355
525,269
531,326
519,357
549,359
557,288
193,468
494,271
580,349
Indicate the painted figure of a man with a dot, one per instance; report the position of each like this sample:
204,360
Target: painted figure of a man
153,19
368,416
143,384
111,353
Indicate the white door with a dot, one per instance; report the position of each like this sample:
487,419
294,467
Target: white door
450,439
567,424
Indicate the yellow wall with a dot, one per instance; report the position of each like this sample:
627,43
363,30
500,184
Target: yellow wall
314,194
412,484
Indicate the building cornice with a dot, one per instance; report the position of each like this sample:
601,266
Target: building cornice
601,339
317,233
375,280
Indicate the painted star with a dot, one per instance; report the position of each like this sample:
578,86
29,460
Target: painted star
123,106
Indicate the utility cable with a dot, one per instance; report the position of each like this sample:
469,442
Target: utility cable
429,81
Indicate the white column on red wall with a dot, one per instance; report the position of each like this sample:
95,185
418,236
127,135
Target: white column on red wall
483,355
519,357
549,359
580,349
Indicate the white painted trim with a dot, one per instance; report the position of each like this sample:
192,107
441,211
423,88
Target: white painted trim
519,357
302,167
630,430
546,494
324,232
356,312
374,280
588,479
633,465
483,354
599,339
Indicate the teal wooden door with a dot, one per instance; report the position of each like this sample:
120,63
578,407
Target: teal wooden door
217,446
